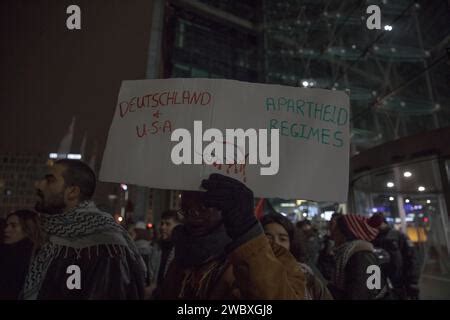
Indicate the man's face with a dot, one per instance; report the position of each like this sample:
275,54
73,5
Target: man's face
166,228
51,191
198,219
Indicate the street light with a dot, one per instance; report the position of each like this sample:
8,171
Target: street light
407,174
421,188
390,184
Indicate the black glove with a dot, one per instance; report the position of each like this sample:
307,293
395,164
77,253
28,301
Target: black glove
235,201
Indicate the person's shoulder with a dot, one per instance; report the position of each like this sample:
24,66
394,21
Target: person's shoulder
363,257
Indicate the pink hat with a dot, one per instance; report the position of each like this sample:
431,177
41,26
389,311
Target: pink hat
359,227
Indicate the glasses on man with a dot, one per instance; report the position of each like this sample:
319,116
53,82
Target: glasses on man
191,211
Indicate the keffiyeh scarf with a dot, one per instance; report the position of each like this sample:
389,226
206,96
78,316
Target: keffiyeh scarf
81,227
343,253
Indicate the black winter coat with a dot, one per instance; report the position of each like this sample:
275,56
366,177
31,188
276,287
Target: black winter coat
356,277
105,274
14,262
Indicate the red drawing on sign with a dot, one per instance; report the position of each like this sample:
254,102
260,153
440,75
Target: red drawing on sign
239,168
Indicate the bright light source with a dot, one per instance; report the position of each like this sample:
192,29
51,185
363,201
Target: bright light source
311,84
53,155
287,204
305,214
328,215
124,187
284,214
374,210
299,202
407,200
421,188
425,220
388,27
390,184
120,219
407,174
428,201
391,198
74,156
149,225
305,83
322,215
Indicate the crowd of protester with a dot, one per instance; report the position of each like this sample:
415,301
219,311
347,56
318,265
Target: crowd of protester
213,247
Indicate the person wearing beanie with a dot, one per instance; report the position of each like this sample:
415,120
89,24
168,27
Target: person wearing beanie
354,253
403,268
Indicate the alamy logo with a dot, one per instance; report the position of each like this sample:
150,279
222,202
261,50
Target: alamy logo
222,150
73,22
374,20
74,280
374,280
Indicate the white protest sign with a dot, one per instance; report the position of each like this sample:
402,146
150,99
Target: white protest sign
313,136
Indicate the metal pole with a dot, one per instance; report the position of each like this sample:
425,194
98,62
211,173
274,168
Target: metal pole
152,72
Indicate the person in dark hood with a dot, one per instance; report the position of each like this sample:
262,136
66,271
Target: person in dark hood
22,237
326,262
221,252
403,268
87,255
311,239
354,255
281,231
163,251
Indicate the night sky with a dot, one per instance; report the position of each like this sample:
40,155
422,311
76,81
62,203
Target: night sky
50,74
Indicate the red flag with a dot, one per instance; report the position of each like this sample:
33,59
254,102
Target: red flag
259,209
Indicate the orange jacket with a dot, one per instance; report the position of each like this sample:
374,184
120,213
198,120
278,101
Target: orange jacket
256,270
